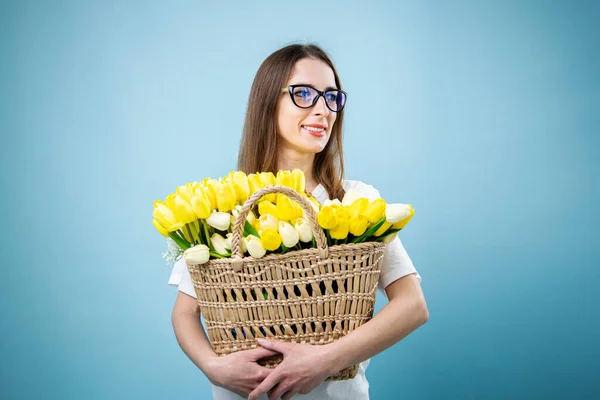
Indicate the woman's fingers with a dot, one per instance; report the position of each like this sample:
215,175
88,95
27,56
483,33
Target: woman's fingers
265,386
258,353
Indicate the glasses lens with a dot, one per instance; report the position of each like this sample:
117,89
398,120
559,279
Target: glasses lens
335,99
303,96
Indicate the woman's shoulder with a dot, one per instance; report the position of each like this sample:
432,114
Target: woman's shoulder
365,189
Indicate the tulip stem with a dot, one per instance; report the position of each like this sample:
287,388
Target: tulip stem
180,242
208,241
369,231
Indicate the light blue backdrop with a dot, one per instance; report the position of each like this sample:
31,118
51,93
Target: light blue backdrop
483,115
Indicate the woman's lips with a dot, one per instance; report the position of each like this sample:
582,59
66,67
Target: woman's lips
315,134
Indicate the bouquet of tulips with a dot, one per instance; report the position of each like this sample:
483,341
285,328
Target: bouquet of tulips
198,217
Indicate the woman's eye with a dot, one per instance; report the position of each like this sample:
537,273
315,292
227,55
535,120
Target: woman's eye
302,93
331,97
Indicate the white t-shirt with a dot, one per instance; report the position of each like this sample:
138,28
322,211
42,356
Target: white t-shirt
396,264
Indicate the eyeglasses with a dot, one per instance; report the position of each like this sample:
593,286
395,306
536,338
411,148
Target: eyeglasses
305,96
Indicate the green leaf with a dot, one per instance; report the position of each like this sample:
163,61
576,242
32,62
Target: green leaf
284,249
369,231
179,240
249,229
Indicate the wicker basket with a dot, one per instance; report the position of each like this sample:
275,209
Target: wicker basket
314,296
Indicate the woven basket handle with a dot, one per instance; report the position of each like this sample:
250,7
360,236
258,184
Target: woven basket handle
236,248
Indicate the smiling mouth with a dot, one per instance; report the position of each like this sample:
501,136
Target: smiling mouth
318,132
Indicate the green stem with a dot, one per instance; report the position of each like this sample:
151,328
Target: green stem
208,241
180,241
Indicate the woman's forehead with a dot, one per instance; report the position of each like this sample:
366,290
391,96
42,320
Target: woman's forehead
312,72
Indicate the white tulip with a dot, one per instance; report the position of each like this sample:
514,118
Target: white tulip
255,247
219,244
268,221
198,254
314,204
236,212
302,226
229,241
350,196
396,212
289,235
219,220
329,202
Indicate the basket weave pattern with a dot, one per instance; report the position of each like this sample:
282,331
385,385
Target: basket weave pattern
314,296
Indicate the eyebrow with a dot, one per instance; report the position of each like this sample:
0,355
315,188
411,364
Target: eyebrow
308,84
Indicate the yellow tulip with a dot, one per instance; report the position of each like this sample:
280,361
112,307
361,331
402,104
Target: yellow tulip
299,180
183,210
266,207
165,217
285,208
268,221
358,225
284,178
185,191
382,229
226,197
201,204
375,210
358,207
240,183
254,183
340,231
270,239
159,228
299,210
327,218
268,179
211,187
402,224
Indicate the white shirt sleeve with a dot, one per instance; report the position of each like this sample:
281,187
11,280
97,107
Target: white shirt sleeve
181,279
396,263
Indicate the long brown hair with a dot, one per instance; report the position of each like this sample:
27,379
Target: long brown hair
258,146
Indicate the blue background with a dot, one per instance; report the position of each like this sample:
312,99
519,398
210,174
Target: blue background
483,115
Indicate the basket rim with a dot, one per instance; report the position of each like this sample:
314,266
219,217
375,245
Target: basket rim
312,252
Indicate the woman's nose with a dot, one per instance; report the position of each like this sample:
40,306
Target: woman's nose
320,107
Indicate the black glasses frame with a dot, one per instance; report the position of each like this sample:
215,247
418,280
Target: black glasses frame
291,88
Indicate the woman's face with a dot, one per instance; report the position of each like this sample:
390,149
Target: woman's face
292,119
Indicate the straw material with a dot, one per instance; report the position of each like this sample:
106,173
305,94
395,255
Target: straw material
314,296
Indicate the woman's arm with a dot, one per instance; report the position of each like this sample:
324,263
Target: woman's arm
238,372
306,366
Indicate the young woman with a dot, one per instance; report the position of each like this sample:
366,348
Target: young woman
294,120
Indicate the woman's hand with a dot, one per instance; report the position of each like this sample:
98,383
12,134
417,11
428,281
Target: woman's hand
239,372
304,367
